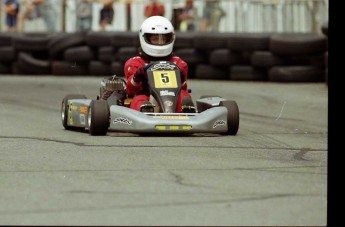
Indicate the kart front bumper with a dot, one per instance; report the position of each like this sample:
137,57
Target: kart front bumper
213,120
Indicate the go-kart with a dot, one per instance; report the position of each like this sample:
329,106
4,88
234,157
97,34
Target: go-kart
213,114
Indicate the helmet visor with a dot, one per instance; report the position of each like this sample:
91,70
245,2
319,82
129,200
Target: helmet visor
159,39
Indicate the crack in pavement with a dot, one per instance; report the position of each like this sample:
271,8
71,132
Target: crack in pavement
82,144
134,206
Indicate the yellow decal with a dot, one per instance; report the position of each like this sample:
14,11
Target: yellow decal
165,79
73,107
186,127
127,102
70,113
83,109
173,127
160,127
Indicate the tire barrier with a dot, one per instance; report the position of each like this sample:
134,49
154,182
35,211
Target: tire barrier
278,57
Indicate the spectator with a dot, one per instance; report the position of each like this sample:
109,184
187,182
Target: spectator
106,14
154,8
212,15
30,10
11,8
83,15
187,17
44,9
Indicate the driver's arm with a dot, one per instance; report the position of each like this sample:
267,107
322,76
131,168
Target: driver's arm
130,68
183,66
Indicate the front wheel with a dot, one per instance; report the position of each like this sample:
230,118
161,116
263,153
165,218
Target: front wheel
233,116
65,107
98,117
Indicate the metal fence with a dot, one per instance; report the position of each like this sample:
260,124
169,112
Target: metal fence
275,15
241,15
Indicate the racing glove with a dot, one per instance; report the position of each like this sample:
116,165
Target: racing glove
139,75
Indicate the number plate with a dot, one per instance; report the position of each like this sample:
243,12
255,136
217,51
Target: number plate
165,79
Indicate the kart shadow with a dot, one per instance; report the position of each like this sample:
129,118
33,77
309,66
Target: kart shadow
76,129
165,135
129,134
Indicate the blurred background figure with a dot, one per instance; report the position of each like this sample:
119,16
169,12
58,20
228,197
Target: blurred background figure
106,14
11,8
29,13
44,9
212,14
154,8
187,17
241,16
83,15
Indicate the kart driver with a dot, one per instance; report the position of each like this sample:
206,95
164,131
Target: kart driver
157,38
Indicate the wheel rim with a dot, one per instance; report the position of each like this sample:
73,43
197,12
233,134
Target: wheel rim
63,112
89,118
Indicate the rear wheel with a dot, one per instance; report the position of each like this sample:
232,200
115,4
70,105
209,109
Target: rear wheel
64,108
98,117
233,116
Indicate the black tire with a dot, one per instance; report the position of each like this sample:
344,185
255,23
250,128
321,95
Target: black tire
210,41
247,73
7,54
64,108
124,53
266,59
79,54
16,69
59,44
192,56
124,39
68,68
184,40
31,65
248,41
98,117
224,58
6,39
205,71
116,68
5,68
25,42
233,116
99,68
99,38
292,44
296,74
106,54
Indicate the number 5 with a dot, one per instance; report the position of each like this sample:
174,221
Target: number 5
165,77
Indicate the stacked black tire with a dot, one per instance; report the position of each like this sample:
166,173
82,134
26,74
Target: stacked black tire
297,57
279,57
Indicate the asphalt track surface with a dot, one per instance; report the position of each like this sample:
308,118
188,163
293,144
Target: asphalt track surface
273,172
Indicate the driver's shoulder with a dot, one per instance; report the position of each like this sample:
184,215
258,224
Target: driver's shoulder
135,60
176,59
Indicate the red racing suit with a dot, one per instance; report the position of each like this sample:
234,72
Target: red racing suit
134,88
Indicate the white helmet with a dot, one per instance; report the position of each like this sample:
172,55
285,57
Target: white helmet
161,26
